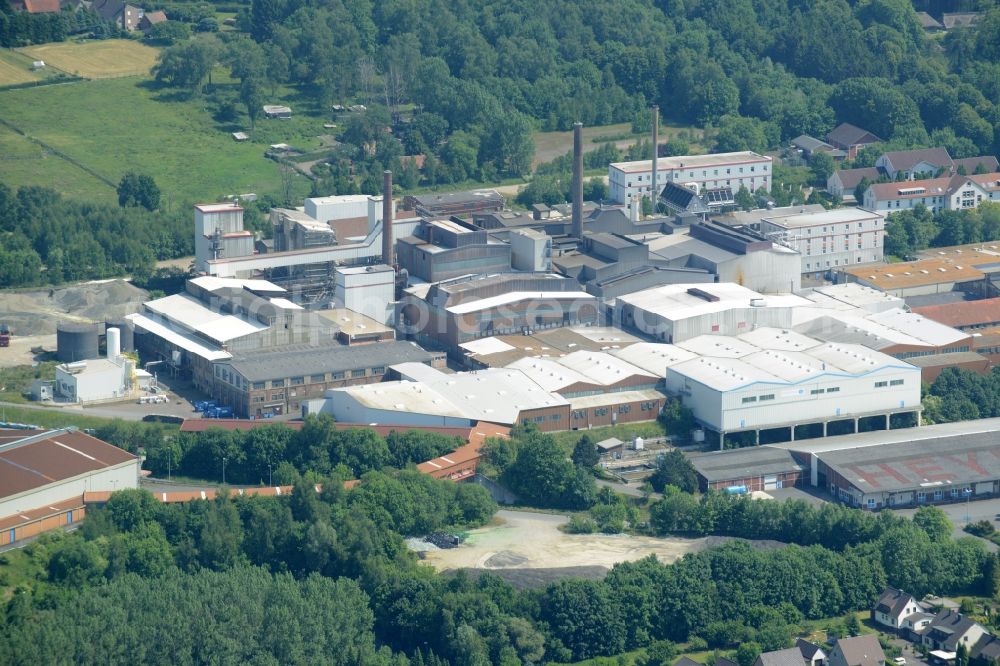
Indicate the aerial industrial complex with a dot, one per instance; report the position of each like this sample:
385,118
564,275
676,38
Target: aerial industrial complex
780,329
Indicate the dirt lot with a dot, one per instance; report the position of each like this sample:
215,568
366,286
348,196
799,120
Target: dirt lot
525,540
36,312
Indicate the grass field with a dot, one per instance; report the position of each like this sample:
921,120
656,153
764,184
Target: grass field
625,432
16,68
23,162
98,59
116,125
550,145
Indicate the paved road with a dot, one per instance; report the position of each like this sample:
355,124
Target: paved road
626,489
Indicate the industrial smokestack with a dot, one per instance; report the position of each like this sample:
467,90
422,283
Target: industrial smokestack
656,154
578,180
387,240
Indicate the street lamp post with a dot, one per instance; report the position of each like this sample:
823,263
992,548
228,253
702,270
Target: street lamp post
223,470
269,473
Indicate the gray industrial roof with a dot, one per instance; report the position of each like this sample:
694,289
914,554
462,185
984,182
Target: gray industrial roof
308,360
923,464
740,463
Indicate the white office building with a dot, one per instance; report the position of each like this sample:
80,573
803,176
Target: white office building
747,169
831,239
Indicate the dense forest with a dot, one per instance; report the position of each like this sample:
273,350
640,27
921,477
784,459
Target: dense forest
75,240
465,83
312,578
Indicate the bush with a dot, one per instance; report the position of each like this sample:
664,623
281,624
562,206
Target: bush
981,528
580,525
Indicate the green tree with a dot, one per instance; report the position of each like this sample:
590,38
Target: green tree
138,190
822,167
674,469
934,522
658,653
170,32
744,199
585,452
747,653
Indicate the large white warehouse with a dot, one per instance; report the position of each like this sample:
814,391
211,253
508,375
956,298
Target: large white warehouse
782,381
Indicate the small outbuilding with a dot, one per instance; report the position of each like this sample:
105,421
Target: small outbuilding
241,136
276,111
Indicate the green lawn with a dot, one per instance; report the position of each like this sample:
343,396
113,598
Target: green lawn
23,162
116,125
624,432
54,417
16,381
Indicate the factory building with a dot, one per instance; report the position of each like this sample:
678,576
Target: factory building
446,205
44,476
586,373
677,312
731,254
507,396
108,379
446,249
216,318
949,462
830,240
921,278
219,234
502,350
278,382
789,384
530,251
447,314
753,469
368,290
747,169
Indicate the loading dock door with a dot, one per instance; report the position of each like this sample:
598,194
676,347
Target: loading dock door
770,483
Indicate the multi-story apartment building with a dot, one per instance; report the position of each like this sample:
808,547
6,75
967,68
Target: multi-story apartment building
715,171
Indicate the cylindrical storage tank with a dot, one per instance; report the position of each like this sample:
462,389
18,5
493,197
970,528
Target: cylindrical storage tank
77,342
126,333
114,343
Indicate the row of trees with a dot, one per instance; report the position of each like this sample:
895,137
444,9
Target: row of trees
910,231
275,453
21,28
47,239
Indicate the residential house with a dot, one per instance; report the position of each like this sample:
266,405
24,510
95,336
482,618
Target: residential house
949,629
959,19
857,651
982,164
42,6
810,145
687,661
886,198
893,607
915,625
123,15
935,194
812,654
843,181
850,138
913,164
722,661
986,651
929,23
150,19
786,657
